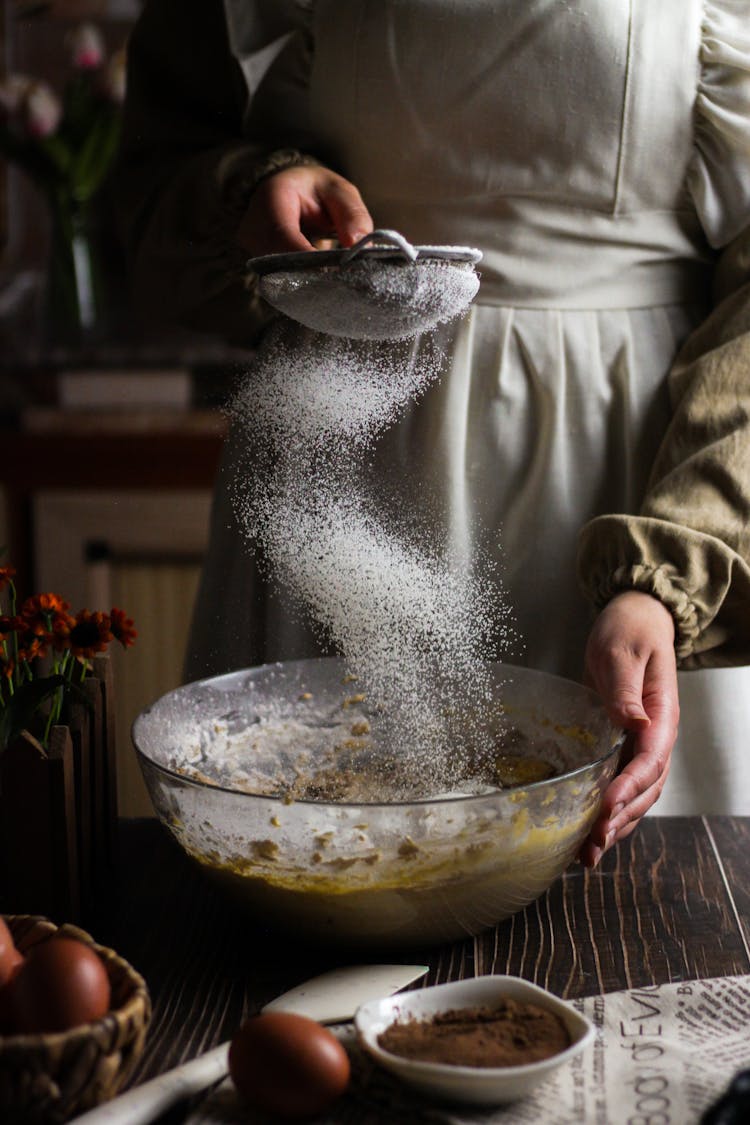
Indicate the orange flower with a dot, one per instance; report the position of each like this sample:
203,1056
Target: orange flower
40,612
122,627
7,574
62,625
90,634
7,667
31,647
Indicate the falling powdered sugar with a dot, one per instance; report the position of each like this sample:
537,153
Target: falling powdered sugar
415,626
307,392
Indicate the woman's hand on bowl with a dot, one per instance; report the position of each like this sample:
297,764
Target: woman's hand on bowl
630,661
292,209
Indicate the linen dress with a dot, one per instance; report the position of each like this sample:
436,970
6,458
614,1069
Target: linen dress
598,153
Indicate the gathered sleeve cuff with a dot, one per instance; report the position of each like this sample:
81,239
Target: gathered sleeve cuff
689,545
702,582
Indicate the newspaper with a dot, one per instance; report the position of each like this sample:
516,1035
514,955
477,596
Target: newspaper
662,1055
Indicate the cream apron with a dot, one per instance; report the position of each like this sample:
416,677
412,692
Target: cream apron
471,123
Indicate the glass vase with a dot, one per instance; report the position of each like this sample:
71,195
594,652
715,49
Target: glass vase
75,314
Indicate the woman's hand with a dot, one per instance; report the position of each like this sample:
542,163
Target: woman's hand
630,662
293,208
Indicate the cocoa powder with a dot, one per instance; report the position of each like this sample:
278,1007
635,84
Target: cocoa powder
511,1033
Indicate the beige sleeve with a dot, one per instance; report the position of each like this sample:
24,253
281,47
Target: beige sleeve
690,544
187,168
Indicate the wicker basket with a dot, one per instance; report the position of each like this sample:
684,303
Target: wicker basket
47,1078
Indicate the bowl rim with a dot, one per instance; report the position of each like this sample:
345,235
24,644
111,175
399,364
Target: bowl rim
368,1018
256,670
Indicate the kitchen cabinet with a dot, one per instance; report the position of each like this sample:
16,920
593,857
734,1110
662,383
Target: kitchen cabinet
109,511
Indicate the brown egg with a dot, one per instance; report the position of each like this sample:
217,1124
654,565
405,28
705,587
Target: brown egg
62,983
11,960
10,957
288,1064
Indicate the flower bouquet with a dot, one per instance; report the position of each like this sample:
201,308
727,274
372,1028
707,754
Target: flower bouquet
58,788
67,145
45,655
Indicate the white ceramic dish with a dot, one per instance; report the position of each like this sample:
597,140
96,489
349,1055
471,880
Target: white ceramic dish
473,1085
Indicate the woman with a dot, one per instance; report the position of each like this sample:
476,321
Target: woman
595,401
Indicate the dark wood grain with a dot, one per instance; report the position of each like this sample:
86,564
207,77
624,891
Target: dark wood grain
206,963
657,909
670,903
730,837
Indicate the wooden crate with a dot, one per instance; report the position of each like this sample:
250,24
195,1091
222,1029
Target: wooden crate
58,812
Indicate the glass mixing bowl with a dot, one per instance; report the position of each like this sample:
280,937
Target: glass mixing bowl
393,873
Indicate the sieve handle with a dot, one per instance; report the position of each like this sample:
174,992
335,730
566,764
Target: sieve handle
381,237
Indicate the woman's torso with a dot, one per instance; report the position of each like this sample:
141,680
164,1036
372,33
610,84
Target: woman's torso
557,136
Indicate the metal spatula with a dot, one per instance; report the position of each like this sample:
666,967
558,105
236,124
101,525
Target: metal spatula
330,998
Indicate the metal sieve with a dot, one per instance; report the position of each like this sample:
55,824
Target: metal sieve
382,288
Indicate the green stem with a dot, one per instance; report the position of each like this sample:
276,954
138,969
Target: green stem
13,604
48,727
10,677
74,294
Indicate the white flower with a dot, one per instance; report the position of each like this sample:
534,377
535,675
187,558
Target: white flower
41,110
86,47
13,93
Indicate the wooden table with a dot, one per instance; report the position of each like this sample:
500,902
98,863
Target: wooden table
670,903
